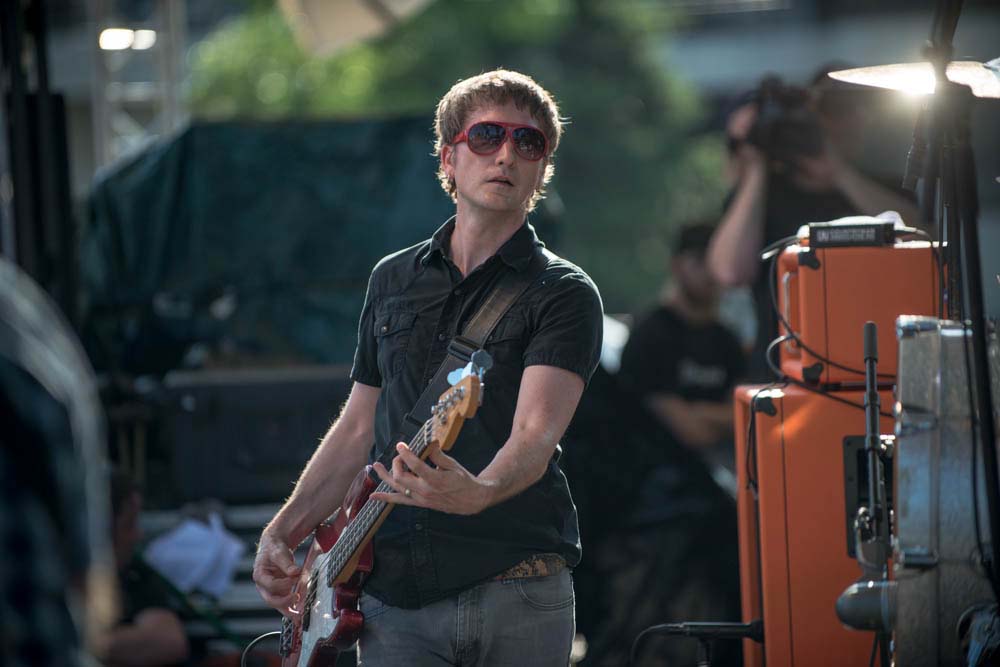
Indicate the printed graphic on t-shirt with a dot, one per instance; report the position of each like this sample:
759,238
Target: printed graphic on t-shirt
692,374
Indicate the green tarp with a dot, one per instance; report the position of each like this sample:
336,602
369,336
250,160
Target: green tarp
251,243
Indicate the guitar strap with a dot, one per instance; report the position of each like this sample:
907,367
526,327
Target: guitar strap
509,288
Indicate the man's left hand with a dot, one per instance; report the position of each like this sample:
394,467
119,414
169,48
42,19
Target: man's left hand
446,487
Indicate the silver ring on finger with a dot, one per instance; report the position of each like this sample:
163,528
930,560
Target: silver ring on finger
408,493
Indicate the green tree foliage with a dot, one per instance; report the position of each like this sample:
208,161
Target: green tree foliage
629,169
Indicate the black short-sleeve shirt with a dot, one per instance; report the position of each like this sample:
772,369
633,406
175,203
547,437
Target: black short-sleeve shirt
666,354
417,301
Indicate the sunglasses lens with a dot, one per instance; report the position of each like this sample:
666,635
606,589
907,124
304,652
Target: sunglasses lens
529,143
485,138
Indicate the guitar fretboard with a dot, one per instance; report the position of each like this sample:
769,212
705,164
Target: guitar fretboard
354,534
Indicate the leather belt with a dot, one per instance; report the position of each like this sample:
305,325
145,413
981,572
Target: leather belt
539,565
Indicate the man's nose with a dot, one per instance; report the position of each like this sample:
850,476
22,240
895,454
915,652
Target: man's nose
505,154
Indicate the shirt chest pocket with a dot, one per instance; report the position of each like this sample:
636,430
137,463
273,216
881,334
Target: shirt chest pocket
392,335
508,341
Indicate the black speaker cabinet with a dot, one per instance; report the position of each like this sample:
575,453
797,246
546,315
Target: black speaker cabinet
243,436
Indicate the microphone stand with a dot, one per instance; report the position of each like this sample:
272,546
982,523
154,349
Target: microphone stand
950,199
953,165
870,602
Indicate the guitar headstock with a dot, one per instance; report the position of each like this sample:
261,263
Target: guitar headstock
452,409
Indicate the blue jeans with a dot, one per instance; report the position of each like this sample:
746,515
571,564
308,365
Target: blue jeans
525,622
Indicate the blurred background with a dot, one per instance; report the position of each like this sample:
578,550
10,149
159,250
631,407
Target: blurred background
203,187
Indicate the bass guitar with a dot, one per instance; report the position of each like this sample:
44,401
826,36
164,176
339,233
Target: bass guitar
325,619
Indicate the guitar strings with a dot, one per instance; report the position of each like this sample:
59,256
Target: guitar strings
335,559
352,535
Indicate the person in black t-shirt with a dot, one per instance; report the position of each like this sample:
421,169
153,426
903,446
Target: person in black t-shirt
150,631
773,198
673,554
679,358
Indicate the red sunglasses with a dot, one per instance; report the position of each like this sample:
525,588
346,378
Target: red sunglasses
486,137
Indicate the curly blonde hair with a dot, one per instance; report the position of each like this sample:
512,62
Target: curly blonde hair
496,88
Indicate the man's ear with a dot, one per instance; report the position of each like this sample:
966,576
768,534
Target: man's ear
448,160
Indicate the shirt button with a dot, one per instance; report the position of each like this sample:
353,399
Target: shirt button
430,381
385,327
442,336
457,291
419,526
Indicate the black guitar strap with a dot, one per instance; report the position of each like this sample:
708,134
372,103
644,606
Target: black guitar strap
510,287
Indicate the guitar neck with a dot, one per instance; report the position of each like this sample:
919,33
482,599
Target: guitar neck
363,525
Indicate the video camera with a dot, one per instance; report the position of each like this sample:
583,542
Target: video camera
786,127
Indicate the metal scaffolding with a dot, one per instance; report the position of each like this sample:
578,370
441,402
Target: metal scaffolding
136,87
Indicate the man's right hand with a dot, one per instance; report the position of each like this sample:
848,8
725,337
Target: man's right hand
746,156
275,572
741,121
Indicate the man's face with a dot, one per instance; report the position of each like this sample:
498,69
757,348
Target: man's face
694,278
501,181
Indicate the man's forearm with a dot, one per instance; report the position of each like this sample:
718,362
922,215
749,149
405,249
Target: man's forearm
871,198
732,253
319,490
719,413
156,638
326,478
689,421
546,404
520,463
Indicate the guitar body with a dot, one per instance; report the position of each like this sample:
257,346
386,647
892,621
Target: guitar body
319,631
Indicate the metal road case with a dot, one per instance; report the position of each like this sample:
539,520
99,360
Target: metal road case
936,555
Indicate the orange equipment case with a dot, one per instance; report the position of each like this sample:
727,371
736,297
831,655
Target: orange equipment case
792,497
827,294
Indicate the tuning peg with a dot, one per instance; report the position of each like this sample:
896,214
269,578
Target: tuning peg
481,362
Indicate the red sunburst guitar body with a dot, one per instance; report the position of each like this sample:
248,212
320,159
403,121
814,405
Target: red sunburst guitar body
332,622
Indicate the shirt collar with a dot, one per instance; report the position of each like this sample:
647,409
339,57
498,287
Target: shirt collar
516,252
439,241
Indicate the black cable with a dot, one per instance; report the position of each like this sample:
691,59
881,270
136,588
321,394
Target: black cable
637,596
751,455
795,337
785,378
751,464
751,449
984,559
703,633
634,651
916,231
871,658
669,629
770,253
246,651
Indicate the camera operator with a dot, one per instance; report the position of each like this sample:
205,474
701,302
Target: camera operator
790,150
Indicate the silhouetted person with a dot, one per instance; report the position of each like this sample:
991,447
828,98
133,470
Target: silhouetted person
56,579
150,632
680,360
672,553
788,178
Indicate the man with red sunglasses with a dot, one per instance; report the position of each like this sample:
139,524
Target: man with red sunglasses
473,565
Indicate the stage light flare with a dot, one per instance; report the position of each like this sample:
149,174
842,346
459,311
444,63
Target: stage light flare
919,78
144,39
116,39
